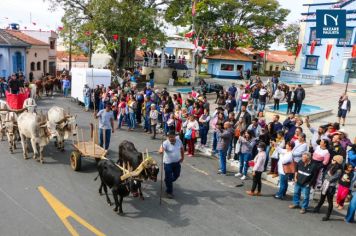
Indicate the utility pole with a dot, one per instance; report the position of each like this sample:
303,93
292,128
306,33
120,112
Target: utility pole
90,53
70,47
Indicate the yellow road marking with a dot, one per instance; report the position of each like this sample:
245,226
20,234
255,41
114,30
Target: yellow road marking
198,170
64,212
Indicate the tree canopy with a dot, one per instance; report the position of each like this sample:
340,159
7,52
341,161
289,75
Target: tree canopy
117,25
289,37
231,23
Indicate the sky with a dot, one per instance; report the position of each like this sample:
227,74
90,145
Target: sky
27,12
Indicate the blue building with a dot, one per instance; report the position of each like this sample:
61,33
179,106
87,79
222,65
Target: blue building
12,54
324,61
228,64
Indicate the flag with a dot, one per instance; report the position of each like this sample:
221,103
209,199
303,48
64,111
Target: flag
203,47
328,50
115,37
144,41
194,11
312,47
34,23
189,34
195,41
299,48
262,54
60,28
353,53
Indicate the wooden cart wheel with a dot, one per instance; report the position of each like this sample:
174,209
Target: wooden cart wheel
75,160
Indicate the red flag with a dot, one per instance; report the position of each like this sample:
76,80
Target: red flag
353,53
60,28
312,47
189,34
203,47
328,50
299,48
144,41
262,54
194,8
34,23
115,37
87,33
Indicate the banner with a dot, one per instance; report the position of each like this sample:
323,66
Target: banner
353,53
328,50
299,48
312,47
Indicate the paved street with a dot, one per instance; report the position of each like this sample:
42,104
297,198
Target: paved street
204,204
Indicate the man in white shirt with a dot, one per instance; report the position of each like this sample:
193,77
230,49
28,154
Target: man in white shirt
173,155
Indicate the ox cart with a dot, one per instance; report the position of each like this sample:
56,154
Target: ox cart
86,149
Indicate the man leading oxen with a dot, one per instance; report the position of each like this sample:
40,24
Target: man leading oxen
131,158
61,125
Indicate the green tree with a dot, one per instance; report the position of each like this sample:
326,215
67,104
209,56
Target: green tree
289,37
135,19
231,23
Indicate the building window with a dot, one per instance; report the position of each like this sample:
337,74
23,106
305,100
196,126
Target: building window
311,62
52,44
32,66
227,67
239,67
39,65
346,41
277,68
312,37
270,68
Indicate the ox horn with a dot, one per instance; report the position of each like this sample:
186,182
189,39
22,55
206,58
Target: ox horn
147,152
143,156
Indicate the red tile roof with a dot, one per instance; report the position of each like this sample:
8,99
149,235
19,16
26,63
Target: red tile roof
227,55
64,56
27,39
280,57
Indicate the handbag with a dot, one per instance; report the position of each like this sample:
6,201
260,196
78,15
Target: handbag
188,134
251,163
289,168
195,134
237,147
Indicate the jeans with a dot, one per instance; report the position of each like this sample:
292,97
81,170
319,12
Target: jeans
86,102
215,141
154,129
283,186
276,104
350,216
238,105
121,118
299,189
267,157
255,104
261,107
257,182
274,87
132,122
222,157
172,173
297,106
152,84
229,149
65,92
101,105
290,107
104,140
203,130
147,125
244,158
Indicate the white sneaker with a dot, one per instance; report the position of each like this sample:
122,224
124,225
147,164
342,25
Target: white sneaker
243,177
238,174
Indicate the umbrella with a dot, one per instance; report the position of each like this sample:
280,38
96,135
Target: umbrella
178,66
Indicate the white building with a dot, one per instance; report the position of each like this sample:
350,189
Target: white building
318,65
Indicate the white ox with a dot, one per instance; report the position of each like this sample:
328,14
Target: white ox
30,105
3,111
11,130
61,125
32,127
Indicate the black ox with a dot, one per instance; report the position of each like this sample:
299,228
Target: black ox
129,156
110,175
